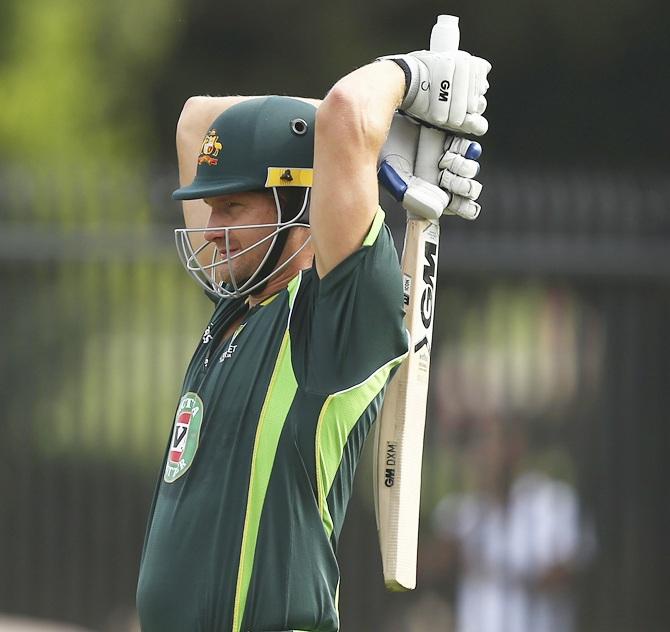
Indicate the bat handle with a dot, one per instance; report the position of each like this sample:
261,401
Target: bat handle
431,147
445,36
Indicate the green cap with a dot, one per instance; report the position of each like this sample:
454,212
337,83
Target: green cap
256,144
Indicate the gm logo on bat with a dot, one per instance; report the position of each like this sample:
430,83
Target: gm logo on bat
429,270
389,474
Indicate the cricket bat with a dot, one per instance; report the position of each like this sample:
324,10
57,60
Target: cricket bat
401,422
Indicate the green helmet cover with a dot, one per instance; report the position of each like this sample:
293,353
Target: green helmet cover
256,144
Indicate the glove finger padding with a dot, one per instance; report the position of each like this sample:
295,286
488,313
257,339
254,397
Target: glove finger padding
423,199
479,69
463,147
483,69
481,106
463,207
459,166
460,90
460,156
474,92
467,187
475,124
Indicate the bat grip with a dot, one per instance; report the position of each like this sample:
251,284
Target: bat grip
429,152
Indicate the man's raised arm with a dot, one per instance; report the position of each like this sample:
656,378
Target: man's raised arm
351,126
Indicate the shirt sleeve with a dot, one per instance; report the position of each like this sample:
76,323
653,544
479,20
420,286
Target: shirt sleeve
350,323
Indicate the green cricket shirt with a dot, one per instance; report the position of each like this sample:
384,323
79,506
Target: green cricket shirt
268,432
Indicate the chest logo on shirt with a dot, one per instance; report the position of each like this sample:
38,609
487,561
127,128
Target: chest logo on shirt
230,349
185,437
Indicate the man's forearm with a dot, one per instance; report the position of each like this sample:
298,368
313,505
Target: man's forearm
365,100
351,127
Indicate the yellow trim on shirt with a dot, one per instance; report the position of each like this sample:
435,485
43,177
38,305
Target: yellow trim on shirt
377,223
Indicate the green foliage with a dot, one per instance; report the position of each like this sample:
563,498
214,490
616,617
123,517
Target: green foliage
132,333
72,76
76,135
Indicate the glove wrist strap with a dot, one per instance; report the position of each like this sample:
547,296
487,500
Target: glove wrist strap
410,69
407,72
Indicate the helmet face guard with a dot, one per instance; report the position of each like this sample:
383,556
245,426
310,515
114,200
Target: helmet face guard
265,143
205,267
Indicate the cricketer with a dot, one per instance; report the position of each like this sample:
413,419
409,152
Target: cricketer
285,234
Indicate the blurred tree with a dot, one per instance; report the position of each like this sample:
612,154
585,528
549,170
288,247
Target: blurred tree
75,148
74,78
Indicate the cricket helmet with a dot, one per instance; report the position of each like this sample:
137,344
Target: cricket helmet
257,144
264,143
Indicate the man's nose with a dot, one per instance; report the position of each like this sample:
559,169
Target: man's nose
214,232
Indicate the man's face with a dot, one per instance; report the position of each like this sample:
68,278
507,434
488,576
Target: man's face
240,209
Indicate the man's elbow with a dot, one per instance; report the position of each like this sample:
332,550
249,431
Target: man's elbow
345,117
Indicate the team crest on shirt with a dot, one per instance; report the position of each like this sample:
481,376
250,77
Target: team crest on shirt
185,437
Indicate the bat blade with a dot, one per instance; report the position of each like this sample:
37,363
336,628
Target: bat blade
400,427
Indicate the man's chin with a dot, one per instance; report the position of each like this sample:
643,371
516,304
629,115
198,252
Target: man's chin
227,280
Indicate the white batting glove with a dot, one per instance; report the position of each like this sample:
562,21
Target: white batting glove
458,168
445,90
456,192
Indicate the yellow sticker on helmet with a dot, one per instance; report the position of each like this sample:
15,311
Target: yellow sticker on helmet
289,177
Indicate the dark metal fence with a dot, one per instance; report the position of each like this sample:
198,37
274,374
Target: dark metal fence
550,365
